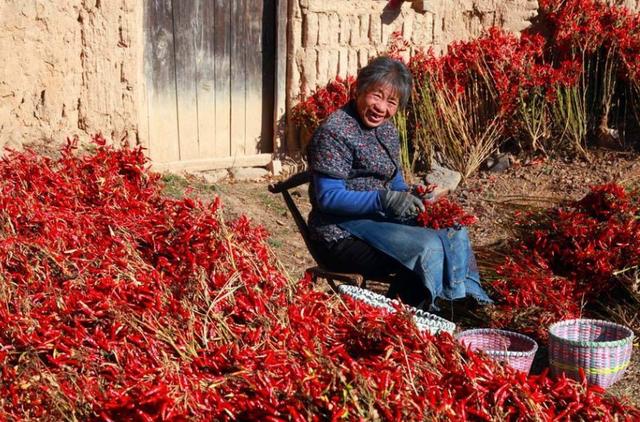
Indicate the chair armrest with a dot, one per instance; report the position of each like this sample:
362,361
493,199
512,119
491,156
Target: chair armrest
292,182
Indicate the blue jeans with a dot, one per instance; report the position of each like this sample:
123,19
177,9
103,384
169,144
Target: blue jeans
443,259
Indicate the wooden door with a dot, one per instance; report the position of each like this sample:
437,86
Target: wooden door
210,66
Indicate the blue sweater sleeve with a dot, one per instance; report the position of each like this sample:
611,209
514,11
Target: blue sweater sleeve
333,197
398,183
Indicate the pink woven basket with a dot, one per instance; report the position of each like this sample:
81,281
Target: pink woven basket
514,349
601,349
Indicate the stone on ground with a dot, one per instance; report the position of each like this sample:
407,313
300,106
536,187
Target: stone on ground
446,180
248,173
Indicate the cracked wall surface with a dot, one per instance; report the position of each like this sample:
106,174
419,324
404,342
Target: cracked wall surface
69,68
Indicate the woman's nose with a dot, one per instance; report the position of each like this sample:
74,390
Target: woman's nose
380,107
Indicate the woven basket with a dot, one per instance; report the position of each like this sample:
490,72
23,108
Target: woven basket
424,320
367,296
601,349
515,349
432,323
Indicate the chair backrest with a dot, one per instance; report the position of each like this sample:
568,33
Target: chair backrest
283,187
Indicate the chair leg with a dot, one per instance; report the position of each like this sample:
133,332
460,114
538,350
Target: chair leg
333,284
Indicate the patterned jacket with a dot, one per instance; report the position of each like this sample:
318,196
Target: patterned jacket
367,159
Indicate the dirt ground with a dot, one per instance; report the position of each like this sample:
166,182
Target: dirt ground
492,197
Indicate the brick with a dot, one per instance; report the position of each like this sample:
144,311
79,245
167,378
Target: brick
310,30
483,6
363,57
309,70
353,61
355,30
296,32
294,75
343,62
387,30
407,26
429,29
334,57
375,30
323,29
364,27
420,29
345,29
334,29
323,76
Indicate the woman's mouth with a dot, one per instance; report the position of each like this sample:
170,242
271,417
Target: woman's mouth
375,117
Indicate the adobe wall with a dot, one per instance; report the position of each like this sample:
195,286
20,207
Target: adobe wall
336,37
631,4
75,68
69,68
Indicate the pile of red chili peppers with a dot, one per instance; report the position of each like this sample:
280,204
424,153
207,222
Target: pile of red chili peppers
443,213
566,257
118,303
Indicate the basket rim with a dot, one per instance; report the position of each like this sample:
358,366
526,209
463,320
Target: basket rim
424,315
591,344
421,318
511,353
436,322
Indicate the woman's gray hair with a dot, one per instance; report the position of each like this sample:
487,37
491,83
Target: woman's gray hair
384,70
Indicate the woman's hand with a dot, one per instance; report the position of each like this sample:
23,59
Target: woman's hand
397,204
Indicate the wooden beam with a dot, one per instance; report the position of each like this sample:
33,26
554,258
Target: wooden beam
257,160
280,94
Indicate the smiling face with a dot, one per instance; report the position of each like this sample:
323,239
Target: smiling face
377,104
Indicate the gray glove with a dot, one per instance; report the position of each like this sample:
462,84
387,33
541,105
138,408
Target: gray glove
397,204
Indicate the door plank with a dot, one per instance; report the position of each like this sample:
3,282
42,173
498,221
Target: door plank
161,83
253,69
238,77
222,77
205,59
186,15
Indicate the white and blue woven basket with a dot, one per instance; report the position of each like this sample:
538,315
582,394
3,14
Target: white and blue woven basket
423,320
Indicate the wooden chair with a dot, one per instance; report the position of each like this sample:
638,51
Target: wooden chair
320,270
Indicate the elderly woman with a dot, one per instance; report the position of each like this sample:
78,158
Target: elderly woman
363,215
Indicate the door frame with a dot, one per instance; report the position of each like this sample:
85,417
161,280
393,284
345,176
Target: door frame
281,79
278,147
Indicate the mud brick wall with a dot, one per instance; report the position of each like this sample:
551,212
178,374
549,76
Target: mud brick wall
69,68
75,68
327,38
336,37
